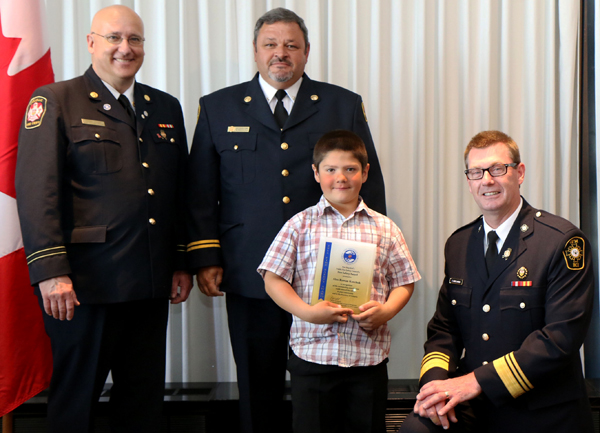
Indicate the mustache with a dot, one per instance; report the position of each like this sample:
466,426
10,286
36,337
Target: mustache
280,60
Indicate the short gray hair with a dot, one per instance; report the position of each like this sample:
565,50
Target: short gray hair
281,15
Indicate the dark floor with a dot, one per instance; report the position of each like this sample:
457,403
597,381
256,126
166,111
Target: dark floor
212,407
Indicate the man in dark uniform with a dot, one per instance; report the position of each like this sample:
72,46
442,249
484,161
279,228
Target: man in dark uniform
250,172
502,353
100,178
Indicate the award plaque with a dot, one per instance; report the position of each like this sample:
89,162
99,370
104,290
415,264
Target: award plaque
344,272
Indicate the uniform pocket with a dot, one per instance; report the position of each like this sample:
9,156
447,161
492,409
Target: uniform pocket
522,311
96,149
460,302
238,156
166,146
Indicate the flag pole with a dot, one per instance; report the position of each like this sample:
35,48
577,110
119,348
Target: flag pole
7,423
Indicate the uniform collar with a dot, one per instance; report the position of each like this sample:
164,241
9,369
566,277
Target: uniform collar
503,229
323,205
128,93
270,91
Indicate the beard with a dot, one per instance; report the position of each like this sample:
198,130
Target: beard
280,76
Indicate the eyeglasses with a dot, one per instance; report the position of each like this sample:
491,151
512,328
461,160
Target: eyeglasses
134,41
494,171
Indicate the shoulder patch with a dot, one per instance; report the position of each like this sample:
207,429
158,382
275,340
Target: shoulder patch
35,112
574,253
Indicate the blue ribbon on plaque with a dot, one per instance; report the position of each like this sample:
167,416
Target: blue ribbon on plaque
326,258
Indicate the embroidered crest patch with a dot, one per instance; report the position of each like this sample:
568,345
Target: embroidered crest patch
35,112
574,253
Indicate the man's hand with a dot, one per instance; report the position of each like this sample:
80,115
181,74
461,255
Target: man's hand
181,287
438,398
326,312
209,280
433,415
59,297
373,315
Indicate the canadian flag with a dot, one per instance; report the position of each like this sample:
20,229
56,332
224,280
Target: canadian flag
25,357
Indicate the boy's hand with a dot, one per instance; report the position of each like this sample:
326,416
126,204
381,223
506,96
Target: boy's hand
373,315
326,312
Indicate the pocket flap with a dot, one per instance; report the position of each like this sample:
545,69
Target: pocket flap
236,142
90,234
93,133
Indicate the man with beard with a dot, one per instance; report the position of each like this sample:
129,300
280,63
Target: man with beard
250,171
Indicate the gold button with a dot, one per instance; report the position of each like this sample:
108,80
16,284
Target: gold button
284,146
143,117
93,94
486,308
97,135
141,140
314,97
152,221
151,191
484,363
485,337
522,305
236,147
247,99
285,173
145,165
538,214
172,140
147,98
454,302
286,199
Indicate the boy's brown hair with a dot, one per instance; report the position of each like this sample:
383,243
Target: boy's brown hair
340,139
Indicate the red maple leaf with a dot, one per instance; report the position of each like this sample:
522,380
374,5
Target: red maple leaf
15,92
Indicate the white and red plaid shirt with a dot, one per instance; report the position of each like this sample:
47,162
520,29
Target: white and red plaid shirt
293,256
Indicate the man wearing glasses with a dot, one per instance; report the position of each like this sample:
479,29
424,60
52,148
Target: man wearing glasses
502,353
100,178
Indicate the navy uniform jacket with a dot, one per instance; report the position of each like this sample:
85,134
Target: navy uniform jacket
521,328
99,198
248,177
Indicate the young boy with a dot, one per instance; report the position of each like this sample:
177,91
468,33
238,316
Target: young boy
338,359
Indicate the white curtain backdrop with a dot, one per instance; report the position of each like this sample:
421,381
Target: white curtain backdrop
432,74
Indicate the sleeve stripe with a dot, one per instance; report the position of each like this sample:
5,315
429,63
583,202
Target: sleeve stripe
511,375
46,250
208,241
47,255
198,247
434,359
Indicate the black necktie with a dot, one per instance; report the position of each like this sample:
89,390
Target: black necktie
280,112
491,255
124,101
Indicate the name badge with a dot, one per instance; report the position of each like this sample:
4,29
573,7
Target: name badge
238,129
456,281
93,122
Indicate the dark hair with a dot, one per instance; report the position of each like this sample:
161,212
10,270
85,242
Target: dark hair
340,139
489,138
281,15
